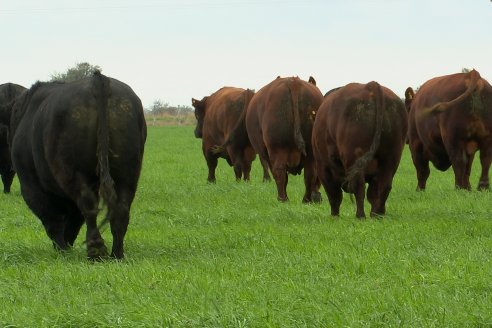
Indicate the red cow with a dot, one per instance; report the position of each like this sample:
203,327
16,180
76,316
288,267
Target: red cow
217,115
279,122
450,118
358,137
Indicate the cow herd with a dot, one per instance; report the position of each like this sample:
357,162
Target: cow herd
351,137
74,145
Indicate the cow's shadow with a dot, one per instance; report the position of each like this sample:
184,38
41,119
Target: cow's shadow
39,253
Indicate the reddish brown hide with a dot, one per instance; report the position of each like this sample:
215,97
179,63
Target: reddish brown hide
279,123
358,138
450,118
217,117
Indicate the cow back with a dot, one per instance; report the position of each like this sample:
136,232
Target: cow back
223,109
346,125
457,104
54,128
278,109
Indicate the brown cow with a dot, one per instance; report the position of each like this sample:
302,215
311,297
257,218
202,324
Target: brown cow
217,116
279,122
358,137
450,118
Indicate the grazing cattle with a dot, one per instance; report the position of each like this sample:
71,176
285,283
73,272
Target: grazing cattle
358,138
217,116
279,122
74,144
8,93
450,118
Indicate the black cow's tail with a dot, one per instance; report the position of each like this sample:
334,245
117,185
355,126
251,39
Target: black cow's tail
293,85
239,129
362,162
101,91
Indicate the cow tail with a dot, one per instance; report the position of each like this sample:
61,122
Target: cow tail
239,129
442,106
101,91
293,85
361,163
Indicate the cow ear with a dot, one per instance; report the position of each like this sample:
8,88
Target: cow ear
195,102
312,80
409,94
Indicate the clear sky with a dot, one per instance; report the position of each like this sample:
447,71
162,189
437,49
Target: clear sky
178,49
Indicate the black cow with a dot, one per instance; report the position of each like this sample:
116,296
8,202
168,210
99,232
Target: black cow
8,93
72,145
6,170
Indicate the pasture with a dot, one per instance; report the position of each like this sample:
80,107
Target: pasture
229,255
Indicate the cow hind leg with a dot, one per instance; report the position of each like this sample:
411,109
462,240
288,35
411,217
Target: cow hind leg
312,193
333,189
238,171
279,170
7,179
246,170
266,174
360,195
212,162
462,163
74,222
49,209
119,217
485,161
421,163
87,201
377,194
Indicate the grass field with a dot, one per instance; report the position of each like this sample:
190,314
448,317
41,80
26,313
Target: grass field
229,255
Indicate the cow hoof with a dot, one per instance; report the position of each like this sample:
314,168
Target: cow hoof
316,197
283,200
96,250
117,256
483,186
61,247
97,254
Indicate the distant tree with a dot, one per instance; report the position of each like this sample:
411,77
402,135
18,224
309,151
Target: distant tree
160,107
79,71
465,70
161,111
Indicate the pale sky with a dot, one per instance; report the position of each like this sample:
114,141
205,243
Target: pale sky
178,49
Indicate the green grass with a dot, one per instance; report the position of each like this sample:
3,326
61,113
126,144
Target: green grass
230,255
